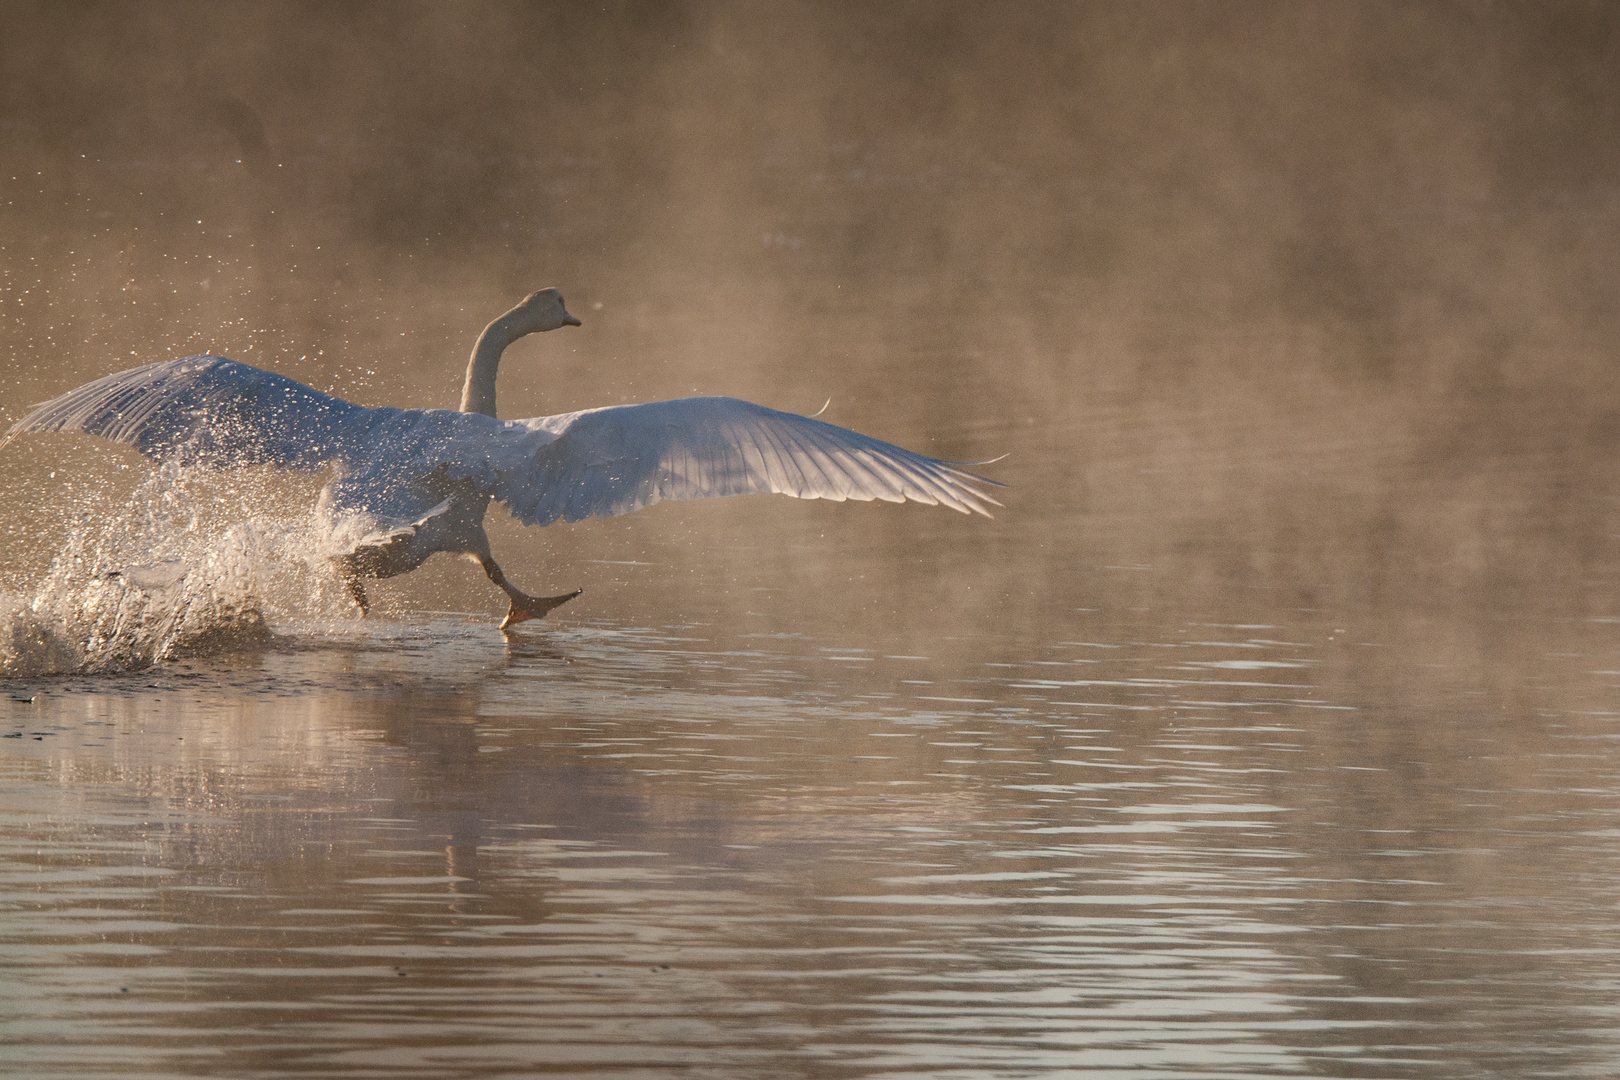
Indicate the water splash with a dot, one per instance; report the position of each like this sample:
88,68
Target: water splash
34,643
193,564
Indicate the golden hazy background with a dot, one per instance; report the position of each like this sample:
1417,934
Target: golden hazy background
1297,315
1274,307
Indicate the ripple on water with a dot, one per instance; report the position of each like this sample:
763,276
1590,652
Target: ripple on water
705,854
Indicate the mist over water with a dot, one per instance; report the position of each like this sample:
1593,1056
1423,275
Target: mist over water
1268,729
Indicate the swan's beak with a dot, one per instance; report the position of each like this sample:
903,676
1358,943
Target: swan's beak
569,320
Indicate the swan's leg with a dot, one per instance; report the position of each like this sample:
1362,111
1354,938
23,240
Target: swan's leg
351,580
524,606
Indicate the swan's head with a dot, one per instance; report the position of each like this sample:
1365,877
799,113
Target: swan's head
541,311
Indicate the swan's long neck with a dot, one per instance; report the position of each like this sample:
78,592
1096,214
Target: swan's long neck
478,394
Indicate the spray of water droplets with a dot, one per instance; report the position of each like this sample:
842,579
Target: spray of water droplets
193,564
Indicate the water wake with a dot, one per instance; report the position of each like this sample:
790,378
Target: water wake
183,570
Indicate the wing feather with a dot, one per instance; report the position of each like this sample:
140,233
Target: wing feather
792,475
606,462
206,410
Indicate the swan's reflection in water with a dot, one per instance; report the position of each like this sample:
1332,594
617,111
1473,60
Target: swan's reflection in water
1203,852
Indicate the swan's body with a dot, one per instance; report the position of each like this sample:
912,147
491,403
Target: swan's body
409,483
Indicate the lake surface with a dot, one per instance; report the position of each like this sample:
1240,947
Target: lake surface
1137,848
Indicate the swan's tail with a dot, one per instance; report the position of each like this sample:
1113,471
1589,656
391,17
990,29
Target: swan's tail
526,607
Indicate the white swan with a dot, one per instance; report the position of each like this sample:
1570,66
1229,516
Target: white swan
408,483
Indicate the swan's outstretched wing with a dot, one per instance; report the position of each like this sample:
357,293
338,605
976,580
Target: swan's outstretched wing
207,410
204,410
605,462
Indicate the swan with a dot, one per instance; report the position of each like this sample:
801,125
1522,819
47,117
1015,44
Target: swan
408,483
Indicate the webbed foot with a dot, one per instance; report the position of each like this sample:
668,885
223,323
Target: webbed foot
525,607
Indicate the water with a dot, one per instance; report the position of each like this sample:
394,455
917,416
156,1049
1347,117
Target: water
1271,728
1195,850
